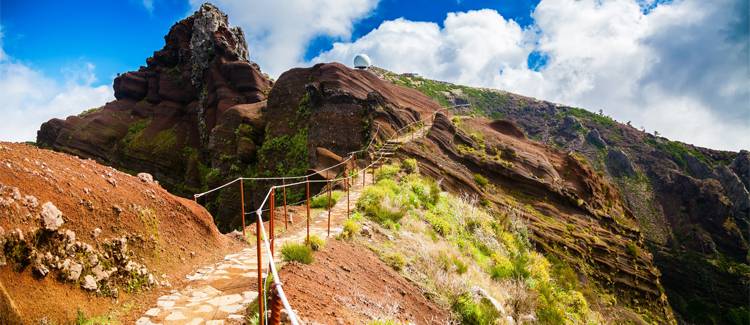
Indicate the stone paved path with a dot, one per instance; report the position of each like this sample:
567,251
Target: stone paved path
219,293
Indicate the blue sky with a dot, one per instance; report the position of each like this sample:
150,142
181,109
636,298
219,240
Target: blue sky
679,67
118,36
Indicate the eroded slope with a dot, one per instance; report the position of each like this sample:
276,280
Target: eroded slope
77,235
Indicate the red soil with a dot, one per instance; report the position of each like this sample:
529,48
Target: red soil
177,234
348,284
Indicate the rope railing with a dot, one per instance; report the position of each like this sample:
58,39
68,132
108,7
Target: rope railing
261,234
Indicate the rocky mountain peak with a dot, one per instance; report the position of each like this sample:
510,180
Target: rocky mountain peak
211,30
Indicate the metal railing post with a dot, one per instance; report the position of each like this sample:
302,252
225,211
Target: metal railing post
347,198
261,315
271,217
307,190
242,209
330,189
286,214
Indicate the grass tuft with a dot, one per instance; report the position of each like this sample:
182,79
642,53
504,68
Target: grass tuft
293,252
316,243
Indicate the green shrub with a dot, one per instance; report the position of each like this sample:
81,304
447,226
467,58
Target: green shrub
315,243
441,226
461,266
321,201
633,249
475,313
410,165
82,319
420,192
395,260
296,252
386,172
351,228
381,202
502,269
481,180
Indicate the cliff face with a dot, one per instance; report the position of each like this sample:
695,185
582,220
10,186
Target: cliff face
339,109
691,203
192,112
573,213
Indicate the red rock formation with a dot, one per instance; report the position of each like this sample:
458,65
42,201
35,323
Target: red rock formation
572,212
165,116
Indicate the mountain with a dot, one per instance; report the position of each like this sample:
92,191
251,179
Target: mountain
691,204
650,226
170,118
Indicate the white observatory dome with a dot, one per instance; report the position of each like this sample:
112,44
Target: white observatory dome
362,61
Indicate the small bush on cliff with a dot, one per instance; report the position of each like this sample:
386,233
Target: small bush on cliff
475,312
351,228
410,165
481,180
386,172
297,253
381,203
395,260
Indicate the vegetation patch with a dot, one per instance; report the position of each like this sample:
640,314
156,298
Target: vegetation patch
315,243
293,252
454,246
322,202
386,172
288,153
410,165
481,180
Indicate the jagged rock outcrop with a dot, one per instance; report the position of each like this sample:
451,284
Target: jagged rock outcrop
165,116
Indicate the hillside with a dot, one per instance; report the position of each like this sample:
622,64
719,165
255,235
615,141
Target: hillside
577,210
691,204
81,237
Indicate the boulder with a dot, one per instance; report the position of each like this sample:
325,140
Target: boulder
71,270
51,217
619,164
146,177
89,283
595,138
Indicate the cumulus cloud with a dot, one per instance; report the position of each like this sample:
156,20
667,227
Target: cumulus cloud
678,67
278,32
31,98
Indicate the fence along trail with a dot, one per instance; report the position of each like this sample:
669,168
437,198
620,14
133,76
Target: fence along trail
219,293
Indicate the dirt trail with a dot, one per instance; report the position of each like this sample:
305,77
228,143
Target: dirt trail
219,293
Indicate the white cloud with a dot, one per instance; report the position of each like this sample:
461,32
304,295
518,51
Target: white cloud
30,98
278,32
680,68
